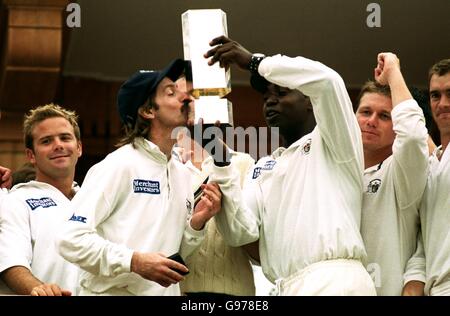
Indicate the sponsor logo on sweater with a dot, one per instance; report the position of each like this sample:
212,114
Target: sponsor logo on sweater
256,172
44,202
146,186
306,147
373,186
268,165
76,218
189,206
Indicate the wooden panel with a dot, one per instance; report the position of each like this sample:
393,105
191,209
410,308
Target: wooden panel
26,89
28,47
32,53
12,149
30,66
12,154
46,3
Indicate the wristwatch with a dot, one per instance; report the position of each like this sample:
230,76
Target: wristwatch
254,62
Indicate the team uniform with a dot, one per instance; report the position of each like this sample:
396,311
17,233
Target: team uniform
393,191
30,217
435,219
133,200
304,205
216,267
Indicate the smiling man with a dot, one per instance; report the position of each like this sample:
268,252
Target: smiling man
32,212
395,156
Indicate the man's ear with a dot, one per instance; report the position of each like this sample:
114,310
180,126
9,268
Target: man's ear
79,148
147,113
30,155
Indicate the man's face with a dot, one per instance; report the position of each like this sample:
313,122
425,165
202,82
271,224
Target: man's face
285,108
55,149
374,119
174,103
440,101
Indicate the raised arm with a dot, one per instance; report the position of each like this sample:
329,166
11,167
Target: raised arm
326,89
410,149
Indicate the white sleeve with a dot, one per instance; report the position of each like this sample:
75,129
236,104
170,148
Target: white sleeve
78,240
415,267
242,163
192,239
239,220
410,153
331,104
15,235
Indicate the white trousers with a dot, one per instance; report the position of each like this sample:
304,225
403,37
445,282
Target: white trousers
110,292
441,290
339,277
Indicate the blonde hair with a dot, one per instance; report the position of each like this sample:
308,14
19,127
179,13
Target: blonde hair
44,112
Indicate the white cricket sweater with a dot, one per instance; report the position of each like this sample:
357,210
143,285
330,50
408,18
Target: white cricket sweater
305,203
393,191
30,216
133,200
435,220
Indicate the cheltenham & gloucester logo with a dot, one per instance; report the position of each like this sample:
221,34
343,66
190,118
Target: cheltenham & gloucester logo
306,147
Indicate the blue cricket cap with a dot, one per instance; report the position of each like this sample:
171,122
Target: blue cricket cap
137,89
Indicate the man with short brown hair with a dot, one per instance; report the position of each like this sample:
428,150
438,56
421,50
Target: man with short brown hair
396,159
32,212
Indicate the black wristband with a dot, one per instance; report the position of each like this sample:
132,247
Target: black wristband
254,62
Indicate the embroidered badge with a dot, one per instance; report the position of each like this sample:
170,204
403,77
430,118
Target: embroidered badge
373,186
189,206
256,172
146,186
306,147
43,202
268,165
75,218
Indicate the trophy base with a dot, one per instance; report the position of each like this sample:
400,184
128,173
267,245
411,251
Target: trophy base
212,109
220,92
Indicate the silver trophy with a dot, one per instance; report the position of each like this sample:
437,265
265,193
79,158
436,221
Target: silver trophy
209,83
